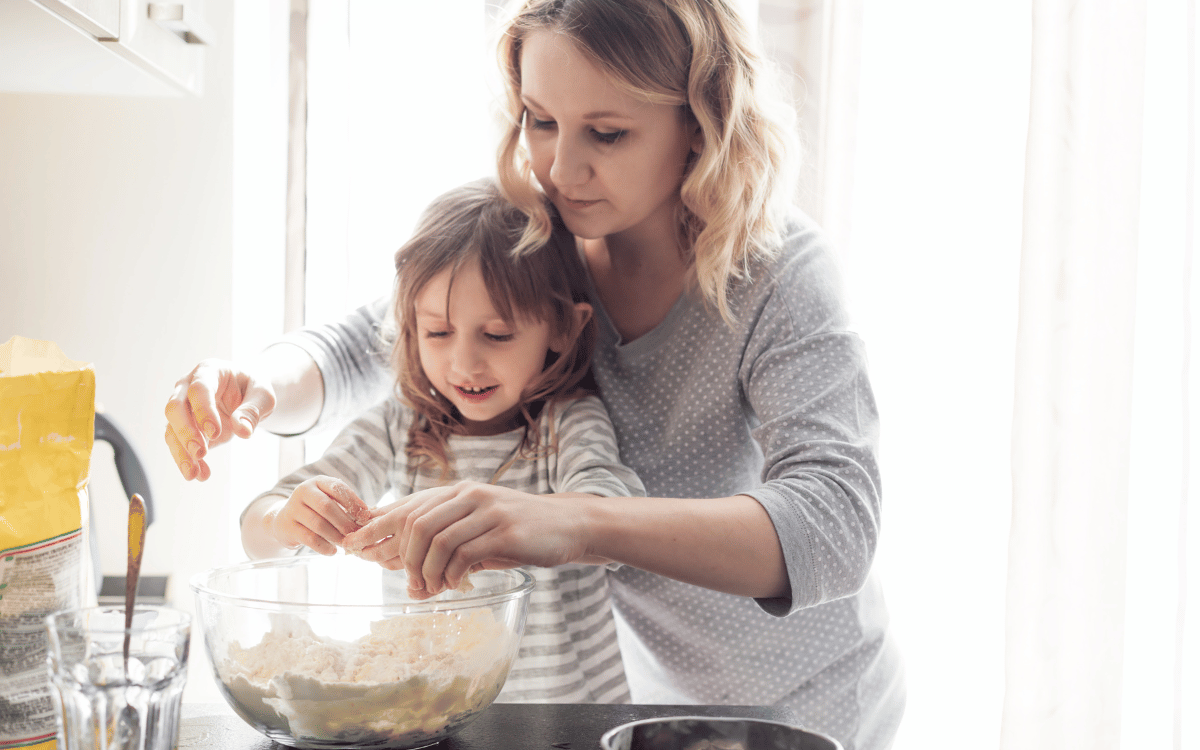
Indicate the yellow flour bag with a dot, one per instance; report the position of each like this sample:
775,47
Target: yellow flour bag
47,423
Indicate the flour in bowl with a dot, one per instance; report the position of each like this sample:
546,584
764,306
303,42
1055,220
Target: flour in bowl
412,679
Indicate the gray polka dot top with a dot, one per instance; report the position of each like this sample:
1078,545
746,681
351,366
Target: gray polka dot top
777,406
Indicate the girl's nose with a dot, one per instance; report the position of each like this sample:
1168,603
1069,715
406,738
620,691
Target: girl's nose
570,167
466,358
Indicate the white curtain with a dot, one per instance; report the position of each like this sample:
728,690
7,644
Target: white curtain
815,44
1102,635
1074,366
1100,455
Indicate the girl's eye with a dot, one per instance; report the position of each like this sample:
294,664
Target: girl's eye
498,337
436,334
608,138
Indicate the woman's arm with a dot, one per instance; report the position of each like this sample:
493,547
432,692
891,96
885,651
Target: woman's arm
439,534
280,389
728,544
313,377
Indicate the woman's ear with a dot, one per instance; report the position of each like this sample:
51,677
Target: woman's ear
583,313
697,141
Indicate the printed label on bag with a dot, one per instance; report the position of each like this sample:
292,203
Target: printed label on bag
35,580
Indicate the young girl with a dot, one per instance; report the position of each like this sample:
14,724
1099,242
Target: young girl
737,389
492,354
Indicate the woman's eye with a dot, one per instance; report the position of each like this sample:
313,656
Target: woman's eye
498,337
534,123
608,137
436,334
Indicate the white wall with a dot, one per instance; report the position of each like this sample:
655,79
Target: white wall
117,241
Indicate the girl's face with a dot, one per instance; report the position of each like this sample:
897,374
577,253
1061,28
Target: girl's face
609,162
473,358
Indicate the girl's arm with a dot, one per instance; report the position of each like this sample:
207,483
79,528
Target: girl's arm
319,503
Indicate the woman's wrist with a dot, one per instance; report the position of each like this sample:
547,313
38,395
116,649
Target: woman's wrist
727,544
298,386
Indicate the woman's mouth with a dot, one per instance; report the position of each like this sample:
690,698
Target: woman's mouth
578,204
475,395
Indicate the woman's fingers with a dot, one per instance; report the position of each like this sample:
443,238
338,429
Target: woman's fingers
209,406
448,528
426,514
207,380
187,464
182,426
460,564
257,403
438,535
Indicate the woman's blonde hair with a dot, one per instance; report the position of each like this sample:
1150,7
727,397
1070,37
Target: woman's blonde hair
698,55
474,222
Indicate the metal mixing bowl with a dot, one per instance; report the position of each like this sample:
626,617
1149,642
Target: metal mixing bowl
705,733
323,652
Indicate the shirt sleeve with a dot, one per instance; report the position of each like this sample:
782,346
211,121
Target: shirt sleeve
587,459
805,378
362,455
352,355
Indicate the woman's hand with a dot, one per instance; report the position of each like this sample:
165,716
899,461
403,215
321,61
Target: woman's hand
440,534
211,404
319,514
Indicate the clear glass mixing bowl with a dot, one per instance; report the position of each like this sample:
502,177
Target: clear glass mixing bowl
323,652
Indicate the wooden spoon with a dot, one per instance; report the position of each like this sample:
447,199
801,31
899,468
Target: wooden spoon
126,725
133,565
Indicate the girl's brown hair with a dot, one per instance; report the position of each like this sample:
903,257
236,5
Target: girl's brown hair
698,55
475,222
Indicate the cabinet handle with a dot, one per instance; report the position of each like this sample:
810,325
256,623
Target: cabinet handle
176,18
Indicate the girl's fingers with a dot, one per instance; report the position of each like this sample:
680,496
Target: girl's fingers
351,507
383,551
315,541
312,529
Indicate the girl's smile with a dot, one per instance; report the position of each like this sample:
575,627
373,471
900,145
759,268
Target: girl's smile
476,395
471,355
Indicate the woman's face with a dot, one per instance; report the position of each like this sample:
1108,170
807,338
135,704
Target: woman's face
610,162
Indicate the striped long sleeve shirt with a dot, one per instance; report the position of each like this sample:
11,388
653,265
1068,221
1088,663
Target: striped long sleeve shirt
569,651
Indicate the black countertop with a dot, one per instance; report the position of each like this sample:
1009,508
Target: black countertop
547,726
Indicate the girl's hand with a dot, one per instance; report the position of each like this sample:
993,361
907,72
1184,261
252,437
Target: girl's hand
319,514
440,534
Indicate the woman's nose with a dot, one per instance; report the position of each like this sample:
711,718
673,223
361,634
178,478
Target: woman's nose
570,165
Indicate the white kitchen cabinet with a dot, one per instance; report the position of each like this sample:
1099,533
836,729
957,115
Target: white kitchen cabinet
121,47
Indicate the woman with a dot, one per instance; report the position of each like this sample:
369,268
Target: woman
737,392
